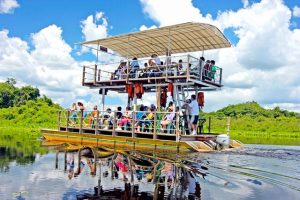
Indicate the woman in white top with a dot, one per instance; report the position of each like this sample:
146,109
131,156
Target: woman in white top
194,112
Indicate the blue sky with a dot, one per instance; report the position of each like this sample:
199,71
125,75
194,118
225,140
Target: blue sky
259,30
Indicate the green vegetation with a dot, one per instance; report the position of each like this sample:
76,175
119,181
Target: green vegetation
22,107
19,145
22,113
250,123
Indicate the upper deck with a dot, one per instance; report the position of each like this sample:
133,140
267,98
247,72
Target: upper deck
180,70
175,39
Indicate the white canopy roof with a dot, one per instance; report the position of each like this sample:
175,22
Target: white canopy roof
180,38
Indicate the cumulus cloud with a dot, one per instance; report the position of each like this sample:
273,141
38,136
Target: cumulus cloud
170,12
296,11
8,6
48,65
261,65
245,3
92,28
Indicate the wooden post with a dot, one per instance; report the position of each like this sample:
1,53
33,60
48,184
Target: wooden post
103,98
99,74
97,123
155,124
220,81
56,159
65,161
114,124
158,94
83,75
132,124
177,127
81,119
58,120
209,124
188,68
95,75
68,116
200,69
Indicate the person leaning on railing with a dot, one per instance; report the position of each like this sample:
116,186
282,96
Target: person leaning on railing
73,111
148,120
93,116
168,119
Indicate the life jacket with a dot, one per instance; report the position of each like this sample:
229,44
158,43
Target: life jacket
163,98
130,91
139,90
200,99
170,89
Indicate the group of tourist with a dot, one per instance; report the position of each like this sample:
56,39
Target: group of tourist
155,68
142,121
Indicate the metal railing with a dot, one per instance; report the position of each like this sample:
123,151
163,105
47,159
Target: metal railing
133,122
169,67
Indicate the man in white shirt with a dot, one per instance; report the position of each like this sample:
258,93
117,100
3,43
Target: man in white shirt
194,112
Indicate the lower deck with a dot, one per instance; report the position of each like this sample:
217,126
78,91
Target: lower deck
170,142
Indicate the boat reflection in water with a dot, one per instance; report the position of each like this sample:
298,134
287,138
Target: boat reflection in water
131,174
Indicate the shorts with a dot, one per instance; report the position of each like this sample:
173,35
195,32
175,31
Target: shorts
194,119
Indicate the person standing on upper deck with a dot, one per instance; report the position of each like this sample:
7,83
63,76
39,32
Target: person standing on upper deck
213,69
194,112
134,67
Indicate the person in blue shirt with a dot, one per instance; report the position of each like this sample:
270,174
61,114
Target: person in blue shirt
134,67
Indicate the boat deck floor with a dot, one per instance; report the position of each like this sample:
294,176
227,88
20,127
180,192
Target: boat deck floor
148,82
149,135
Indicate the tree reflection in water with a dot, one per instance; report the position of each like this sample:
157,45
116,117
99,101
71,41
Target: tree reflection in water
132,174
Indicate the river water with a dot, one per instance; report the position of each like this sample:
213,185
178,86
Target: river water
70,171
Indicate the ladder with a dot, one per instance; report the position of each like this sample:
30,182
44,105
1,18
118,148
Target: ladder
177,101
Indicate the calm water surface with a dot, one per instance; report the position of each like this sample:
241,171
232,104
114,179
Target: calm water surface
72,171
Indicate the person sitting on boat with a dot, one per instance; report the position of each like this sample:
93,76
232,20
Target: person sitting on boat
213,70
83,112
145,71
148,120
206,71
126,118
194,112
121,70
134,67
180,70
154,62
168,119
93,116
140,115
73,113
108,119
119,112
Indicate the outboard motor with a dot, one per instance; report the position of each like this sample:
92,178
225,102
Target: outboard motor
222,141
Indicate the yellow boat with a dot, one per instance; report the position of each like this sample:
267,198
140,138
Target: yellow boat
180,75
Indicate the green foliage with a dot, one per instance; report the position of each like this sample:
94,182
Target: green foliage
251,123
14,96
253,109
37,113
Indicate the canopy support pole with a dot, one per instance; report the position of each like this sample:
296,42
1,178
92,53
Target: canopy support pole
97,52
103,98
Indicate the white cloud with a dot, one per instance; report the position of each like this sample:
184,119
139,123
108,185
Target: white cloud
8,6
169,12
245,3
91,29
262,65
49,65
143,27
296,11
